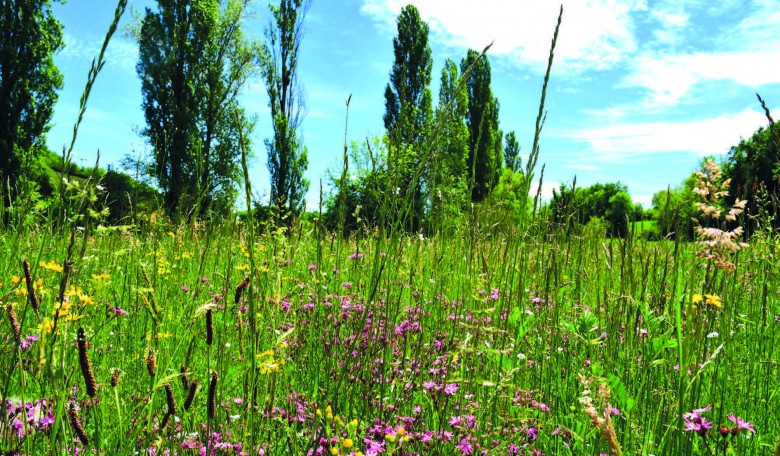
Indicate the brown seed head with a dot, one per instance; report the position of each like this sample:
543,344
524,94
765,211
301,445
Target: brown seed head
86,365
209,327
151,362
169,400
212,400
240,289
185,381
191,394
75,424
116,373
15,326
31,297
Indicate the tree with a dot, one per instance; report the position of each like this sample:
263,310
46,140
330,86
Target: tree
512,152
193,61
29,36
449,184
484,160
752,164
408,109
287,157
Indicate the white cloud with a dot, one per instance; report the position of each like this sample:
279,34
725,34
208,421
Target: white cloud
122,53
669,79
594,34
625,141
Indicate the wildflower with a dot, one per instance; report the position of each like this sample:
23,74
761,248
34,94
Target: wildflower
347,443
695,422
312,267
51,266
450,388
740,424
465,447
713,300
696,298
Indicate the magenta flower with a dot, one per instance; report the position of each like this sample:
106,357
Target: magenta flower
450,388
741,424
696,423
465,447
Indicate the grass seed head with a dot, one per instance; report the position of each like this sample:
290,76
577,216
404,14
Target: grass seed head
212,400
16,328
31,296
240,289
191,394
86,365
169,400
209,327
151,362
75,424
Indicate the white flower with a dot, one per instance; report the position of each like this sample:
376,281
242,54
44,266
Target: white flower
712,335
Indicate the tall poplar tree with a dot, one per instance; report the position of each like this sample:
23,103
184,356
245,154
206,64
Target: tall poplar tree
512,152
29,36
193,61
408,108
485,157
450,182
287,156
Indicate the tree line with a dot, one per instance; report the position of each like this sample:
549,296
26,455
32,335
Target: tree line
434,163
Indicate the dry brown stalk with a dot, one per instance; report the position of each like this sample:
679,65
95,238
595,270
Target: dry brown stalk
86,365
603,421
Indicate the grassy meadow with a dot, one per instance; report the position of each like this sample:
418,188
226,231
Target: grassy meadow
477,342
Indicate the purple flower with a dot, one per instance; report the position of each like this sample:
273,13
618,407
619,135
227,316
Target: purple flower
696,423
356,256
465,447
450,388
741,424
312,267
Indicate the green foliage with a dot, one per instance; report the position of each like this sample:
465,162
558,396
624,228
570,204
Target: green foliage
752,163
512,158
673,210
29,36
287,156
409,113
485,155
193,61
449,184
609,202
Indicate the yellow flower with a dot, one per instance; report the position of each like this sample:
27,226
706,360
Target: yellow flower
99,277
86,299
347,443
714,300
696,298
334,451
51,266
242,267
15,279
401,431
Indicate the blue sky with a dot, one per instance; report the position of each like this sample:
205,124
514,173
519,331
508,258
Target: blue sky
641,90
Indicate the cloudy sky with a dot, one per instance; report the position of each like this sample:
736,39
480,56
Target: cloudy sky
641,90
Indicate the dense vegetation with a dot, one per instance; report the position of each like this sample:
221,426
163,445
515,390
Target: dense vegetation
455,314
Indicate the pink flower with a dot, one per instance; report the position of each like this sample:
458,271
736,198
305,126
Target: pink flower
741,424
450,388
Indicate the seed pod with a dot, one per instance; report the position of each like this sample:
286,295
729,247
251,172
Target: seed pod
191,394
240,289
31,297
115,374
86,366
212,401
209,327
169,399
75,424
185,381
164,421
15,326
151,362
